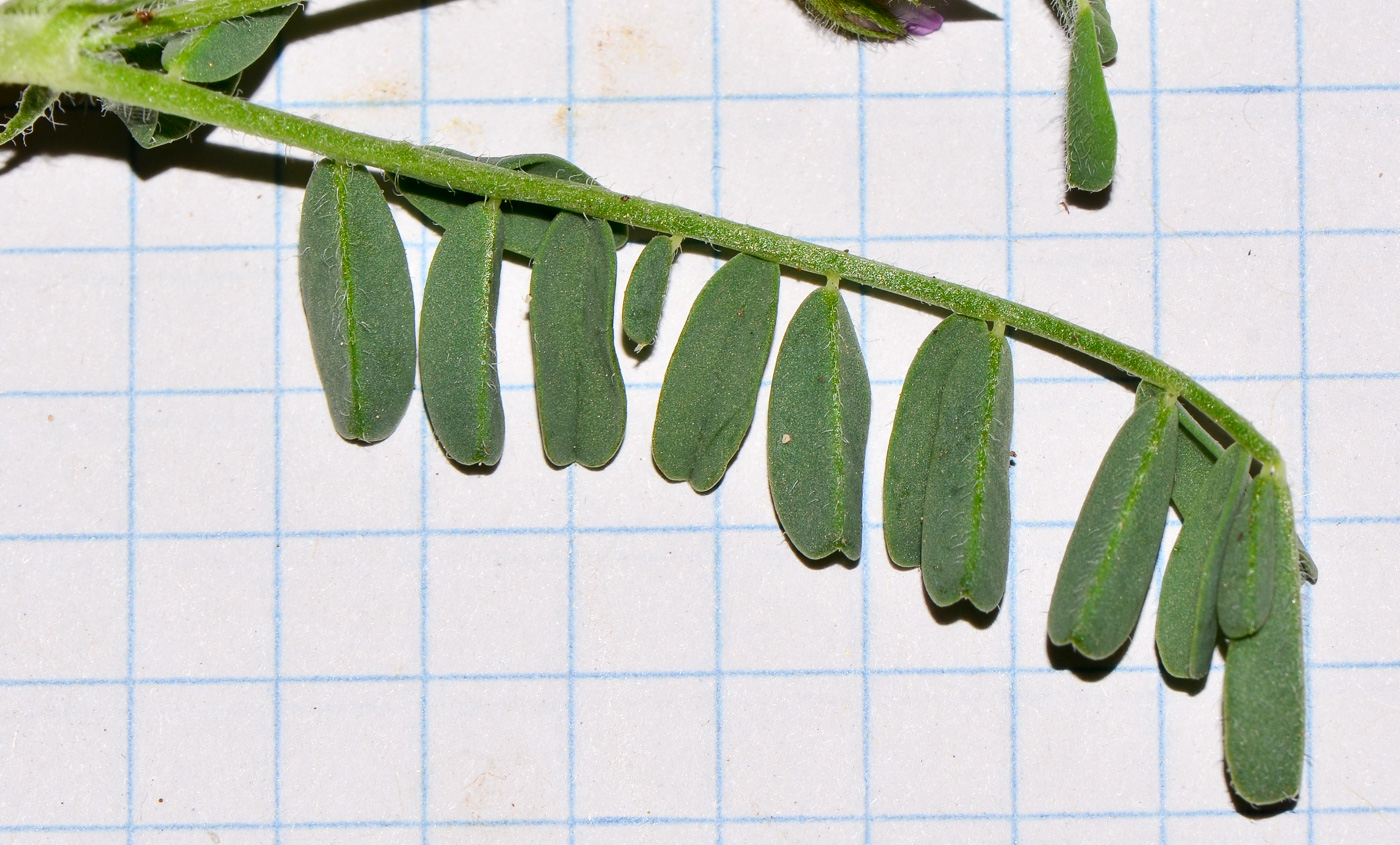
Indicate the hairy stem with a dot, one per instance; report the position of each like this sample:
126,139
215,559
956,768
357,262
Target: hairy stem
121,83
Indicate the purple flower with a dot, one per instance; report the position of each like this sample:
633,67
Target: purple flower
917,20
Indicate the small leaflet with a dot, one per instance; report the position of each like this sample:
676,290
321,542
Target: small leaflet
1091,135
578,385
1108,563
525,224
711,388
818,422
34,103
1265,699
358,301
457,339
1186,624
911,440
967,508
646,291
216,52
1260,534
1196,453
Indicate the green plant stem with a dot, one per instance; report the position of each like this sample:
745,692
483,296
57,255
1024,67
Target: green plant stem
73,72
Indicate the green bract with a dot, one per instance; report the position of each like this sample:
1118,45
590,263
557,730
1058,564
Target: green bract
707,401
358,301
1108,564
818,420
457,339
578,385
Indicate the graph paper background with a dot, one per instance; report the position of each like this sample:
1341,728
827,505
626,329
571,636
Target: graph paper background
222,624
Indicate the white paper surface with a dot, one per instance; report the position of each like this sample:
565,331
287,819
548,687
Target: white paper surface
224,624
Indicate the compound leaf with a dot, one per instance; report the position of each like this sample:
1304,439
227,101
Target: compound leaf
646,291
967,507
911,440
1186,624
216,52
711,388
1108,563
457,339
578,384
818,421
358,300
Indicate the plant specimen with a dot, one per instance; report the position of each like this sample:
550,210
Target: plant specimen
1236,569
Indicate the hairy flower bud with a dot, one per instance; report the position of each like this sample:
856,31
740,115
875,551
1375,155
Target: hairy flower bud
883,20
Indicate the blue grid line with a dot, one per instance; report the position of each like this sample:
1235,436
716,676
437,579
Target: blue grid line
656,386
662,821
716,207
1154,121
276,682
809,96
638,675
131,502
1013,561
863,169
1305,510
426,441
937,237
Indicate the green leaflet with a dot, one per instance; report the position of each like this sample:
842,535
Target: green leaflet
578,385
818,421
1091,136
358,301
911,440
711,388
525,224
1108,564
457,339
214,53
1265,699
646,291
1261,533
34,103
967,509
1186,624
